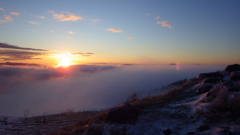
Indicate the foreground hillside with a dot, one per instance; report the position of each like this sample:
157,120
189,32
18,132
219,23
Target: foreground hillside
206,105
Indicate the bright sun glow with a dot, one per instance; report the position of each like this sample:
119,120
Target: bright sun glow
64,60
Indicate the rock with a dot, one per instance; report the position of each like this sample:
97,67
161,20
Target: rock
232,86
232,68
122,114
167,131
213,80
209,75
203,128
235,76
223,131
190,133
204,89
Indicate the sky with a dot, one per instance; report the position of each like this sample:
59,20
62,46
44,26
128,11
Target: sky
70,32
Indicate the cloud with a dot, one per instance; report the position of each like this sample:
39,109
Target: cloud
8,18
164,24
70,32
130,37
42,17
96,20
3,45
15,13
65,17
114,30
147,14
33,22
157,17
87,87
31,30
18,55
18,64
1,9
83,54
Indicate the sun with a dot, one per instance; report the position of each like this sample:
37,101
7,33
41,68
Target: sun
64,60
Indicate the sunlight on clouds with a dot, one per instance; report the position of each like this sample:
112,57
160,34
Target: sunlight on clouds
42,17
15,13
70,32
114,30
68,17
164,24
2,9
130,37
8,18
33,22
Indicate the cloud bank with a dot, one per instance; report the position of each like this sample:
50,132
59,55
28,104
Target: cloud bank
4,45
82,87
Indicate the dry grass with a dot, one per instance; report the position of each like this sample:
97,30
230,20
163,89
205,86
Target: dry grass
171,96
89,126
224,105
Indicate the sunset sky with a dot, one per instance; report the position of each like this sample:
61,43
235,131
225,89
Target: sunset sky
57,32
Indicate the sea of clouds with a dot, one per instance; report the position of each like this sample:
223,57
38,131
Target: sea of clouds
48,90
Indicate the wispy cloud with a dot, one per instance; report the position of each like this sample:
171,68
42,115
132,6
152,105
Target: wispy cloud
70,32
96,20
157,17
30,30
147,14
1,9
15,13
164,24
83,54
18,55
114,30
3,45
8,18
42,17
130,37
33,22
65,17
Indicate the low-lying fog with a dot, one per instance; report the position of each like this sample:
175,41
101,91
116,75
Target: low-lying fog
45,90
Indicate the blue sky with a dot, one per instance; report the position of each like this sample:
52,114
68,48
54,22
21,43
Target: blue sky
136,31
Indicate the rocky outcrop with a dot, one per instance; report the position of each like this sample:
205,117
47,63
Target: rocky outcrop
213,80
204,89
203,128
210,75
235,76
232,68
232,86
122,114
167,131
